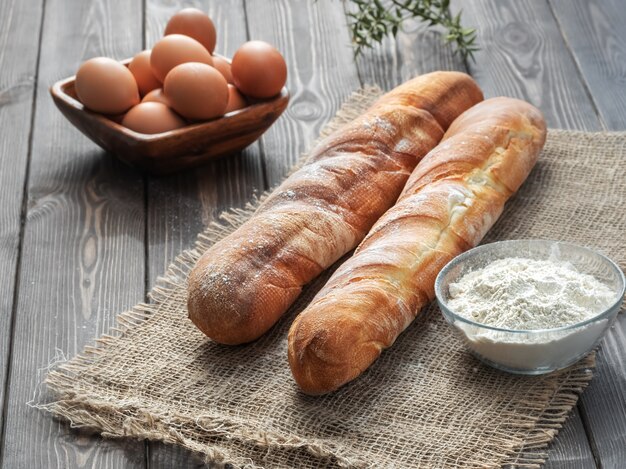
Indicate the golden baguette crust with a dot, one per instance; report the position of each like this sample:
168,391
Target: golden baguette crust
450,201
243,284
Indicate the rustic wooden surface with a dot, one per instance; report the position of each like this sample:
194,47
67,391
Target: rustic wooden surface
595,35
82,256
19,51
82,237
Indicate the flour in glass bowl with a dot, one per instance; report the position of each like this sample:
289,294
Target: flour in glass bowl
518,293
529,294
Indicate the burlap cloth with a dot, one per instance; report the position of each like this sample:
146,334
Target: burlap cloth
425,403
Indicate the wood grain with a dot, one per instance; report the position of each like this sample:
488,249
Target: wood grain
313,38
594,31
603,404
19,43
173,223
570,449
83,246
179,206
418,51
523,55
83,256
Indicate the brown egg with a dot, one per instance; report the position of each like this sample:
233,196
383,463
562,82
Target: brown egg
223,67
152,118
174,50
259,70
235,100
196,91
156,96
105,85
141,70
193,23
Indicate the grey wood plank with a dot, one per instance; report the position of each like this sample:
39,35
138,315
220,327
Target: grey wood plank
19,44
179,206
596,36
570,449
313,38
603,404
416,50
524,55
595,33
83,248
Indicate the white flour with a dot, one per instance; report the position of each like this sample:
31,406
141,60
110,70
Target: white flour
518,293
527,294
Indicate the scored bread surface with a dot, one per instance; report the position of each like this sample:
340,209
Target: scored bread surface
243,284
450,201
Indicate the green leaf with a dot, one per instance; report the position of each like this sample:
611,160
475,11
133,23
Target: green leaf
375,19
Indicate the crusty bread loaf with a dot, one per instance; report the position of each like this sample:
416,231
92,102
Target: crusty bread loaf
244,283
452,198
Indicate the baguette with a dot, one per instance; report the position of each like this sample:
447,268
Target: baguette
243,284
451,200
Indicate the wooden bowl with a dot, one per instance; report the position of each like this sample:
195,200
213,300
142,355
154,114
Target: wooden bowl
175,150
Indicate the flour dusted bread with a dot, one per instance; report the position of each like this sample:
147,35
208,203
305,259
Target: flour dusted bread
450,201
243,284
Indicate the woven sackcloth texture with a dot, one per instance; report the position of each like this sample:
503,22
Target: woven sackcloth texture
425,403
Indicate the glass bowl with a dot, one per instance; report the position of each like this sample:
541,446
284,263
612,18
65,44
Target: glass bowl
537,351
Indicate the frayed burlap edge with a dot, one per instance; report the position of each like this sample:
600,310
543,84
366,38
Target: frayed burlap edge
125,419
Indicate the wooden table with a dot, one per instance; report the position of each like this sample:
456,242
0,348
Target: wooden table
83,237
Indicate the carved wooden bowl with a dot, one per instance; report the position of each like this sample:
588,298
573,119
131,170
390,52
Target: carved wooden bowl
174,150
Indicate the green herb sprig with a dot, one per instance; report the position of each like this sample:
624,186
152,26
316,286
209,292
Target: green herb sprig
372,21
